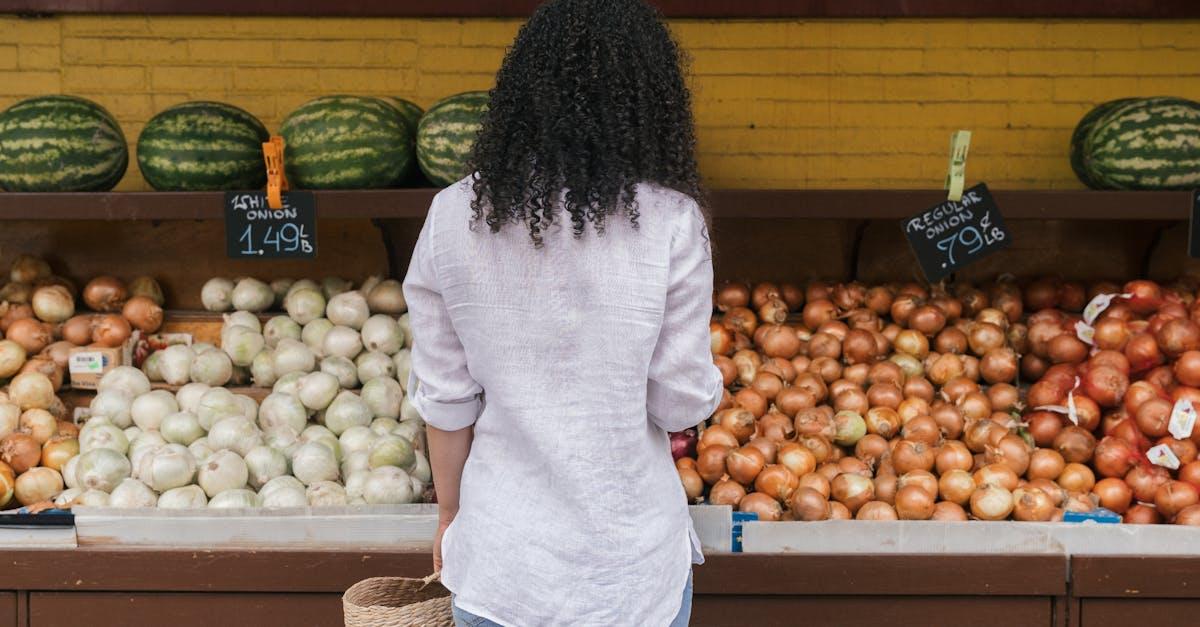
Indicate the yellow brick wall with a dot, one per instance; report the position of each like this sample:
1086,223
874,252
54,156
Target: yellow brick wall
814,104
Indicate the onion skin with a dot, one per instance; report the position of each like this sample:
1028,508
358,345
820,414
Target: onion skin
1174,496
808,505
33,335
990,502
876,510
1142,515
946,511
767,508
726,492
111,330
1189,516
20,451
105,294
1114,494
143,314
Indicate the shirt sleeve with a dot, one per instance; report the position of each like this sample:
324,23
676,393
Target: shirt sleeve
684,386
439,385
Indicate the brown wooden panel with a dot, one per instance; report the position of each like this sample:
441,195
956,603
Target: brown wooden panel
182,255
8,609
851,611
1127,612
671,8
869,575
121,609
1134,577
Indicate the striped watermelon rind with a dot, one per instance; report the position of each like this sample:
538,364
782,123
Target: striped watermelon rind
408,110
346,142
60,144
446,136
203,146
1080,134
1150,143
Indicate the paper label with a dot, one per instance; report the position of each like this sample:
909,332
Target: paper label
1183,419
1098,305
1069,409
1162,455
86,363
1085,332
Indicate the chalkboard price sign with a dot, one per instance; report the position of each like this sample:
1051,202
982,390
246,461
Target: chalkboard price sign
1193,225
254,230
953,234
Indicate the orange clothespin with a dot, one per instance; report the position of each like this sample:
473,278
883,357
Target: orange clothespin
276,179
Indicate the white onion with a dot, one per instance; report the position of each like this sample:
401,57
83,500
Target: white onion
185,497
252,295
313,335
403,361
280,287
113,404
241,319
68,472
386,297
418,487
242,345
278,328
12,357
149,409
102,434
264,463
292,356
343,342
408,411
388,485
200,348
281,482
332,286
262,369
383,397
282,410
101,469
384,425
249,407
138,455
200,450
152,366
354,462
217,294
31,390
356,438
215,404
347,410
314,462
348,309
382,333
189,396
406,326
131,432
316,390
92,498
10,418
223,470
127,378
53,303
166,467
342,369
304,305
175,362
421,469
67,497
151,439
238,498
326,494
132,494
392,450
373,365
317,432
288,383
234,433
303,284
181,427
355,483
283,439
410,430
212,367
285,497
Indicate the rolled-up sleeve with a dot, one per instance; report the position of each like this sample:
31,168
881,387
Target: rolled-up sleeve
684,386
440,386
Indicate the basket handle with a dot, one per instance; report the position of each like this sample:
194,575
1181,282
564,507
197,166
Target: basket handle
437,576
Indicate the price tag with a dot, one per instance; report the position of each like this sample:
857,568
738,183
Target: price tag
1085,332
1193,224
1162,455
951,235
254,230
1098,305
1183,419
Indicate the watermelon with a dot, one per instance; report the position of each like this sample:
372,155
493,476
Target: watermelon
408,110
60,144
1079,136
1149,143
201,146
446,136
346,142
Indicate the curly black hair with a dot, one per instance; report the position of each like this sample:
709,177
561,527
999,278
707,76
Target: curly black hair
590,101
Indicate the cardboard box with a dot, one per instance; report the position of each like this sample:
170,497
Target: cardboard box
87,364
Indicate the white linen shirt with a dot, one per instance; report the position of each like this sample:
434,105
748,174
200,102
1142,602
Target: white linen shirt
572,362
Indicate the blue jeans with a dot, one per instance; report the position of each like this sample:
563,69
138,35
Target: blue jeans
466,619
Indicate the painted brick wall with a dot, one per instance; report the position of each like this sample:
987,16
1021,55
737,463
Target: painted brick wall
779,103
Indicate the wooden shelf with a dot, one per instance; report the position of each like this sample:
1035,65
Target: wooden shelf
726,203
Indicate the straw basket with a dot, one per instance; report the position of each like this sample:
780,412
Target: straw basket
397,602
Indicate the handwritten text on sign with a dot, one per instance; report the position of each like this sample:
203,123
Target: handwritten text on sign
953,234
253,229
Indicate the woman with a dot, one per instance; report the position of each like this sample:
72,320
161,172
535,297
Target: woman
560,299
